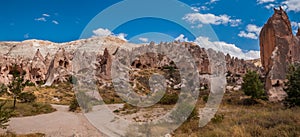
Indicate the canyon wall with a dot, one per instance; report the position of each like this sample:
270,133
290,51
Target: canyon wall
46,63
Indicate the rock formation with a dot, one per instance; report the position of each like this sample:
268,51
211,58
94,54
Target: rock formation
38,69
279,48
47,63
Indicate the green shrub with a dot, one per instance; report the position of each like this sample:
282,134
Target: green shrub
26,97
293,87
30,84
169,99
28,109
73,80
253,86
218,118
85,102
205,98
74,105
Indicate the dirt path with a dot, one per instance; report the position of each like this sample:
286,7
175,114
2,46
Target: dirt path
57,124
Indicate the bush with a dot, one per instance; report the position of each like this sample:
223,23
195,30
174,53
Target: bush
253,86
85,102
26,97
30,84
74,105
218,118
4,116
169,99
293,87
205,98
28,109
73,80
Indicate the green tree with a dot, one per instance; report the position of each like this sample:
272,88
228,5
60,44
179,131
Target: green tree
253,86
16,86
293,87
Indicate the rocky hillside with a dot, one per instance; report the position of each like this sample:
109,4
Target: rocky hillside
46,63
279,48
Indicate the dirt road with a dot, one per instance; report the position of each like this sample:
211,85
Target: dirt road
57,124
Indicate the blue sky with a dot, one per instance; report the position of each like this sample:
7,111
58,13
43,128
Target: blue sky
235,24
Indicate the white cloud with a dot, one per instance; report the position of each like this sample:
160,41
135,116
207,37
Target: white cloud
235,23
26,36
121,36
196,18
196,9
40,19
252,32
46,15
226,48
55,22
211,2
144,40
107,32
269,6
181,38
295,26
102,32
253,28
265,1
292,5
201,8
249,35
197,26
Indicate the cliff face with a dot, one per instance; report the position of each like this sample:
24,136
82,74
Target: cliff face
279,48
48,63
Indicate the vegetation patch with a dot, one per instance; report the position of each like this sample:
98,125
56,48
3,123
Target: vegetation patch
28,109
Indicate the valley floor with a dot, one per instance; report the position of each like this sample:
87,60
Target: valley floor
60,123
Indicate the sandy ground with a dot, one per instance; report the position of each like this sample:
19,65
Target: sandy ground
63,123
57,124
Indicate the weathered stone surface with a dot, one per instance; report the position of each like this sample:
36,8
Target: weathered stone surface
279,48
103,66
38,69
47,62
60,68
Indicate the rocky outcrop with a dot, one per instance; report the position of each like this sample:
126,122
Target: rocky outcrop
38,69
103,65
152,60
60,67
279,48
46,63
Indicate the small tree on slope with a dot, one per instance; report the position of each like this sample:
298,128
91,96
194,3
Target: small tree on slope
253,86
293,87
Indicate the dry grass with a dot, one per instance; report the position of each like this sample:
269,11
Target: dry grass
29,109
260,120
10,134
61,94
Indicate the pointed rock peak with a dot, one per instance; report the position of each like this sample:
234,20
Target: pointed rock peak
61,49
48,56
106,53
280,13
61,52
280,22
38,55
